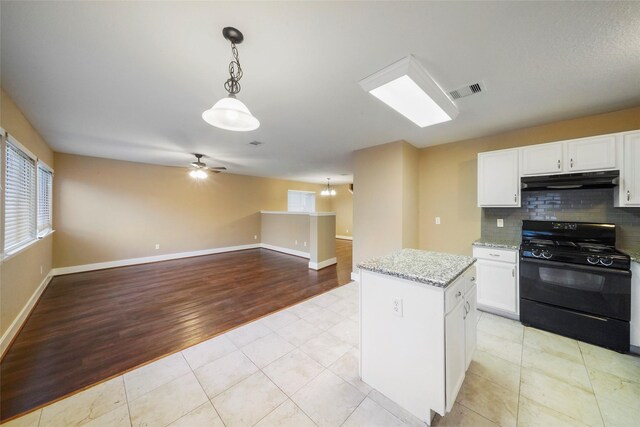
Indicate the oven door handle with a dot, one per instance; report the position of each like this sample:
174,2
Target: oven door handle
576,266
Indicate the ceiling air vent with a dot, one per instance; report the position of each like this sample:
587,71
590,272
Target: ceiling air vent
466,91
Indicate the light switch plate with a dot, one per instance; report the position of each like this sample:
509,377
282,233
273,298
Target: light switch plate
500,222
437,220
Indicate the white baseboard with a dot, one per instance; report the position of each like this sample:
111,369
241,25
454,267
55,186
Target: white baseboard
344,237
355,276
322,264
17,323
285,250
148,259
145,260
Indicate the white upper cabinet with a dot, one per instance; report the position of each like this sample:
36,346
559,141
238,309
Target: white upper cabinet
498,179
542,159
590,154
577,155
630,178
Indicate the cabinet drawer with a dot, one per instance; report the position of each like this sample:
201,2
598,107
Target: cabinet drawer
454,294
494,254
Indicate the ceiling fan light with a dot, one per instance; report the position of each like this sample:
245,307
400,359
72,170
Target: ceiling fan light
198,174
333,192
231,114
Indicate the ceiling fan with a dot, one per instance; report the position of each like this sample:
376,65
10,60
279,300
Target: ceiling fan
199,168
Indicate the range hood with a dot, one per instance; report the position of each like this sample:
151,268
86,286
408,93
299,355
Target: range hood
570,181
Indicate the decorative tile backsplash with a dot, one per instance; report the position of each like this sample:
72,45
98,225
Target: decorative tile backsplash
589,205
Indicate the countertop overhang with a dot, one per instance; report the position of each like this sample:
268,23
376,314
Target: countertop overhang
425,267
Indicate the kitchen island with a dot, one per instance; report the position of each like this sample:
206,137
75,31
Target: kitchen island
418,327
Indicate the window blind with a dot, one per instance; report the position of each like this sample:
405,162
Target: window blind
301,201
45,182
20,198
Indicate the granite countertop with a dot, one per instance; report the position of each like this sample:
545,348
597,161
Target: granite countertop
430,268
633,253
504,244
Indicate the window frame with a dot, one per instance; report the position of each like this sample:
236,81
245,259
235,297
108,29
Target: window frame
304,205
40,233
7,139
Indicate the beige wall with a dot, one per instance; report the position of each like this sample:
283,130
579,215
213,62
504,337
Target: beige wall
448,175
385,191
20,275
410,179
342,205
323,241
284,230
106,210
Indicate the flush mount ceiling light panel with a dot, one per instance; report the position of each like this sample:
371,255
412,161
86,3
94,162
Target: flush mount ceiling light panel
408,88
230,113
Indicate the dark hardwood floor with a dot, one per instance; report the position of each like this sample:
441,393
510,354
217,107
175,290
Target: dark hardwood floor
88,327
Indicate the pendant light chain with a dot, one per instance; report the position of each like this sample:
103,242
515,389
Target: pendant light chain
232,85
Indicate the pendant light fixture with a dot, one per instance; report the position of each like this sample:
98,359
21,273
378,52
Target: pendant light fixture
230,113
329,191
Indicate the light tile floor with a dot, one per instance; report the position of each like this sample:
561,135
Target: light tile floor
299,367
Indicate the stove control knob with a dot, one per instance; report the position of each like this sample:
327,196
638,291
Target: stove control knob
535,253
546,254
606,261
592,260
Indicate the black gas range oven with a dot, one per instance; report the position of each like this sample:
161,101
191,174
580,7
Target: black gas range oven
574,282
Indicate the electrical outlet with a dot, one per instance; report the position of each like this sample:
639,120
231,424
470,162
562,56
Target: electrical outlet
296,243
255,237
41,269
500,222
438,220
347,230
305,244
396,307
157,246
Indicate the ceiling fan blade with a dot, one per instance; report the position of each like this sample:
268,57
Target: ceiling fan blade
220,168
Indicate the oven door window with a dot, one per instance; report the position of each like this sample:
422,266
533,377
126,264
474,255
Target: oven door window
577,280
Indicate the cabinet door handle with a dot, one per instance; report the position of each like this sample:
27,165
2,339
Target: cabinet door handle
571,163
458,294
473,279
628,195
558,163
495,255
515,197
513,272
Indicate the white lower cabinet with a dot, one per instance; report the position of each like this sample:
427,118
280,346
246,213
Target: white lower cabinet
470,324
497,281
456,363
460,336
417,357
